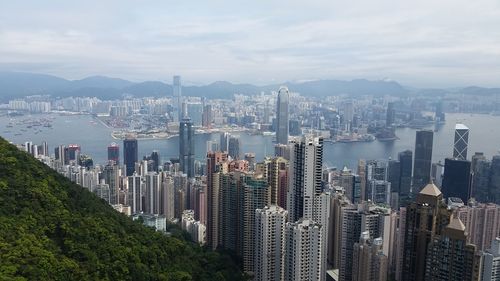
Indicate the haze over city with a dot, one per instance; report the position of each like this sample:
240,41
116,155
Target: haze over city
242,141
420,44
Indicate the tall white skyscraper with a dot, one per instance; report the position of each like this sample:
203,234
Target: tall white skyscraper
135,193
270,223
306,162
152,194
304,251
461,142
282,114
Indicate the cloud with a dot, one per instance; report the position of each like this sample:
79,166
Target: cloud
424,43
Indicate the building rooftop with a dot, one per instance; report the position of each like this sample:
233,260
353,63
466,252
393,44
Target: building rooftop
456,223
461,127
431,189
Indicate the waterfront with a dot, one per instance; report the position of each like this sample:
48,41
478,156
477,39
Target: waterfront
94,138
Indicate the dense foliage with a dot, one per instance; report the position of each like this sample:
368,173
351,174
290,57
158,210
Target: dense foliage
52,229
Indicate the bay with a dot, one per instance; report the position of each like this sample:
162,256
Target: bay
95,137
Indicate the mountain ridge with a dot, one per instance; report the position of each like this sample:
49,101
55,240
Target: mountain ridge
20,84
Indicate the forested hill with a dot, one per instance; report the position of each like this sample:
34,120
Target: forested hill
52,229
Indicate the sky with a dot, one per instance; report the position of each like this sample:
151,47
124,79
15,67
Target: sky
425,43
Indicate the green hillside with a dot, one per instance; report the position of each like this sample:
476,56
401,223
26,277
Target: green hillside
52,229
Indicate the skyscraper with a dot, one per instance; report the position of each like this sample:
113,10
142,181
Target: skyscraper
270,223
394,174
491,262
282,114
207,116
348,115
450,257
130,154
369,261
461,142
234,147
277,177
152,194
255,196
304,251
231,218
214,162
114,153
494,190
480,168
391,115
406,162
439,115
482,222
356,219
155,157
456,179
224,141
423,159
186,147
111,174
177,93
135,193
306,163
425,218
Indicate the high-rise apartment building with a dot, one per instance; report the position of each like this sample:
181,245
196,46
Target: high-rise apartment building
369,261
282,114
135,195
304,251
482,222
356,219
423,159
306,163
490,270
270,224
461,142
152,194
111,174
214,166
255,196
275,169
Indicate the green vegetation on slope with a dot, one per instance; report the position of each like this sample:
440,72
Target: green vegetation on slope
53,229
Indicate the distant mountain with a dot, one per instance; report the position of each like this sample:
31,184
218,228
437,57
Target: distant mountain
356,87
101,82
53,229
149,89
16,84
474,90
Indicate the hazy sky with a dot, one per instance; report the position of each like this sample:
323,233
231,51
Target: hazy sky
424,43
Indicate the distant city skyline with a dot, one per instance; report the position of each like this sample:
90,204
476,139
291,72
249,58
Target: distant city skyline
424,44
